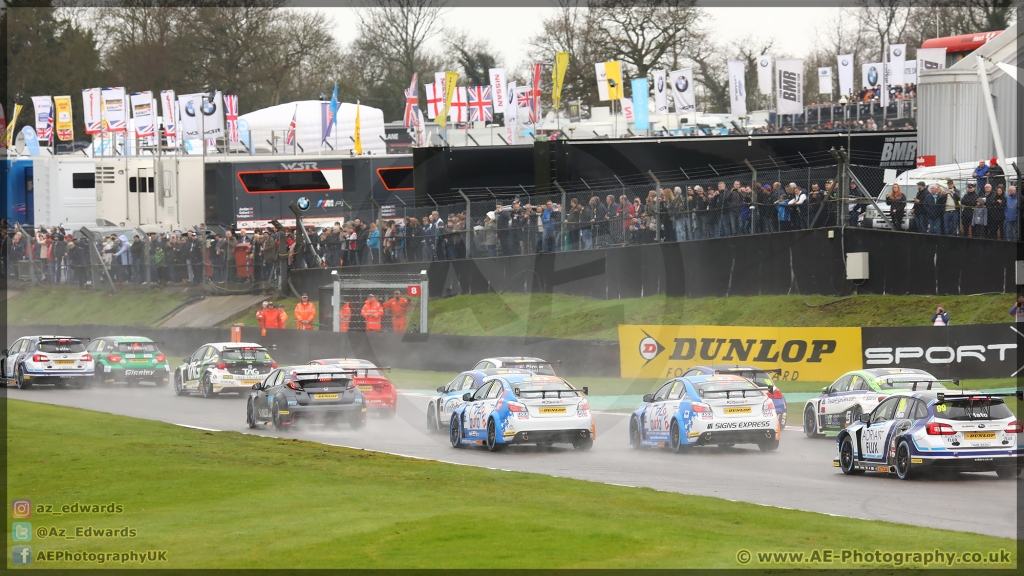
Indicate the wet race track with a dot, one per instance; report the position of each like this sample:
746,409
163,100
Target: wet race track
799,475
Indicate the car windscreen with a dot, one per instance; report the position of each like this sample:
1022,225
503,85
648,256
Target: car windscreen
249,354
727,389
136,347
977,409
535,367
909,385
61,346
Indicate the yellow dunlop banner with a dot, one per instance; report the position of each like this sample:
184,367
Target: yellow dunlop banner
814,354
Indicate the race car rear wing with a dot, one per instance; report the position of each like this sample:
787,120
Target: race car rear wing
970,395
334,372
918,385
516,364
556,393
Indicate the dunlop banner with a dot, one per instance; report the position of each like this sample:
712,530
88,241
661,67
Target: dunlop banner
814,354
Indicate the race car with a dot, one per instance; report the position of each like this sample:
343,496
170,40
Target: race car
535,365
129,360
327,394
523,409
856,393
759,376
690,411
913,432
223,367
440,409
56,360
380,394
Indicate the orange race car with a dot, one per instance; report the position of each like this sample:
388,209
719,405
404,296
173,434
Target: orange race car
380,394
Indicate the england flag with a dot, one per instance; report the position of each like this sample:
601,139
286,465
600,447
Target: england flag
435,99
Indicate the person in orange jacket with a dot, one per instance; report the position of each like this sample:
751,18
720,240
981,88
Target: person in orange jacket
373,312
398,306
261,315
305,314
270,316
282,317
346,317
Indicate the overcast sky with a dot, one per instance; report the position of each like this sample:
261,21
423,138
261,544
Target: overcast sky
509,29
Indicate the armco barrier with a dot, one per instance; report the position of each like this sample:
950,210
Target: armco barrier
798,262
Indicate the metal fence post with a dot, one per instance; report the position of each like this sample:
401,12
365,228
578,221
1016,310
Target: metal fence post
657,206
469,226
753,194
561,216
424,300
336,301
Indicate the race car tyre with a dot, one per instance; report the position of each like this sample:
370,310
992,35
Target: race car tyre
357,420
768,445
583,445
276,417
634,433
811,423
904,469
206,387
852,414
161,382
846,457
431,419
179,390
675,440
19,380
250,414
492,437
454,434
1007,472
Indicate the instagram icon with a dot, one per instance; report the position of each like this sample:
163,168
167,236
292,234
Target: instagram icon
21,509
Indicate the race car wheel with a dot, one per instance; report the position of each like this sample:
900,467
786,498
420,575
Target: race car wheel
583,445
207,387
768,445
846,457
357,420
634,433
811,423
431,419
904,469
1008,472
454,434
492,437
276,416
19,380
675,439
250,414
852,414
179,389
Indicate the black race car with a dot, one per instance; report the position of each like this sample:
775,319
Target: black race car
325,394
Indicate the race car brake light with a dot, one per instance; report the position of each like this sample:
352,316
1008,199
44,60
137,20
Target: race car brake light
86,358
699,407
160,358
776,393
40,358
517,407
221,366
295,386
584,405
273,364
881,398
1014,427
114,357
939,429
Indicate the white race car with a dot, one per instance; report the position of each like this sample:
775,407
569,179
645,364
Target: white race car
531,363
56,360
858,392
223,367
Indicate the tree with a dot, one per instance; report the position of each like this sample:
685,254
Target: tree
643,35
885,21
474,57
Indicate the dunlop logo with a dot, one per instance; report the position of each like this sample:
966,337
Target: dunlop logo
751,350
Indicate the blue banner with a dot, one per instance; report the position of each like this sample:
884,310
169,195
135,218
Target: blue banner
641,97
31,140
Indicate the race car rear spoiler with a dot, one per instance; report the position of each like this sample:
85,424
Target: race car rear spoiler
334,371
967,394
916,385
556,393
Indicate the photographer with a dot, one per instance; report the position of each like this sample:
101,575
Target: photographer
941,317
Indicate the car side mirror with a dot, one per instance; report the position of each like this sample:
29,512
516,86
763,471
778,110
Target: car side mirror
648,397
4,353
467,397
865,418
824,390
186,359
257,386
440,389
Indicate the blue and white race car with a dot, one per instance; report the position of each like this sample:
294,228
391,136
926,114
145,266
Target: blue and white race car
698,410
56,360
523,409
910,432
440,409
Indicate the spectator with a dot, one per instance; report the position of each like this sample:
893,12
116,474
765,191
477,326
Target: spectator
950,218
138,258
587,223
600,230
996,213
1011,218
782,211
261,317
797,206
122,258
996,176
678,213
934,203
441,239
1018,310
980,174
504,218
305,313
491,234
981,212
700,209
919,222
733,205
967,204
398,306
611,213
897,205
78,255
372,312
549,217
344,317
160,263
715,205
58,257
282,317
941,317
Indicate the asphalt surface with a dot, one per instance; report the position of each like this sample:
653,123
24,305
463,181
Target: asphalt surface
799,475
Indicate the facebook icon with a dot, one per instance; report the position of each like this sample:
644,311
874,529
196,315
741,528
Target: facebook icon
21,554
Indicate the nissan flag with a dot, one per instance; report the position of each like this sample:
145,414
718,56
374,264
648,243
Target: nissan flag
790,85
737,91
167,109
845,62
660,93
764,73
93,110
439,80
627,109
930,59
825,80
897,57
682,90
871,75
498,88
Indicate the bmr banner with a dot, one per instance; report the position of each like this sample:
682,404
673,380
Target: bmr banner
815,354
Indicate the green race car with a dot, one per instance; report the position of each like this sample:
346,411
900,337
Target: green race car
129,360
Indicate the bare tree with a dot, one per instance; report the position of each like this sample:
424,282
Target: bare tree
572,29
885,21
475,58
645,35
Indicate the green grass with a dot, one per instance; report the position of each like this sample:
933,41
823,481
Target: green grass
227,500
73,305
575,317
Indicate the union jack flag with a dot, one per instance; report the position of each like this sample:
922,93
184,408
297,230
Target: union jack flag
480,105
412,103
48,131
231,116
535,94
289,138
523,102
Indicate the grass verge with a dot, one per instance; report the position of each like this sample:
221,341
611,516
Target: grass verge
72,305
227,500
